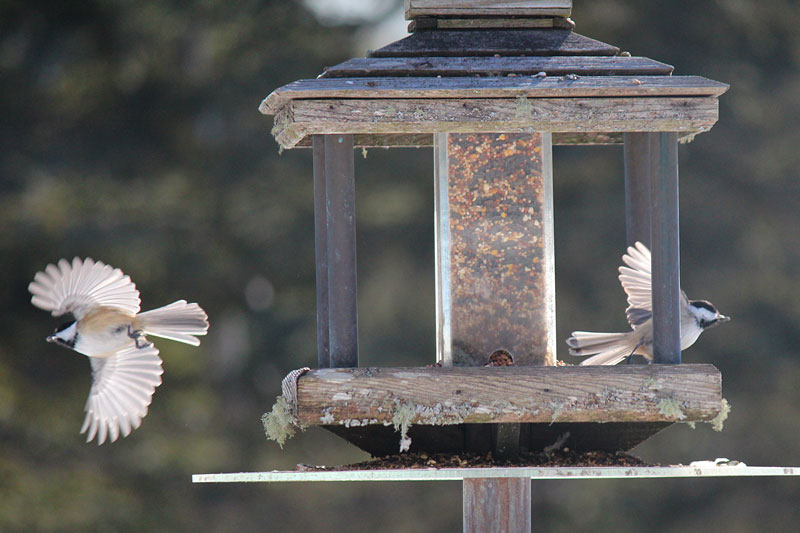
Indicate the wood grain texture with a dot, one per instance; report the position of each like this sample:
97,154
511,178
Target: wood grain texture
434,23
415,8
488,42
500,505
457,395
424,140
498,66
300,118
491,87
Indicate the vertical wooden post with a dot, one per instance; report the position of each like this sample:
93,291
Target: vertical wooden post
341,250
321,253
497,505
666,252
638,170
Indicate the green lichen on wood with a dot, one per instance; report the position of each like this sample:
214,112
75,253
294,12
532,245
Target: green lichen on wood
670,408
724,410
558,408
402,416
278,424
523,109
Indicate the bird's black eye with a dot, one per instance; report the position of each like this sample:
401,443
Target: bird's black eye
64,326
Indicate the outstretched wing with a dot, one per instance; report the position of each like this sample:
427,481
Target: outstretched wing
122,389
636,281
79,286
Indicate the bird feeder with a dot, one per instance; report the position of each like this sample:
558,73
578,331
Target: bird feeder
492,86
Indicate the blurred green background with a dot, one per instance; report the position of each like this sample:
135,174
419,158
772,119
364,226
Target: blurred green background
129,132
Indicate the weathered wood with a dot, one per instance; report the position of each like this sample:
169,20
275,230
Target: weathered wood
497,66
665,247
341,250
501,505
416,8
479,115
425,140
321,252
457,395
434,23
637,186
430,23
491,87
488,42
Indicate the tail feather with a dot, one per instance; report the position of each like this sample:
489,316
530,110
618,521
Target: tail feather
178,321
605,348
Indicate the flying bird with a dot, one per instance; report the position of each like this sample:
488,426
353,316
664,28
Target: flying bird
110,330
612,348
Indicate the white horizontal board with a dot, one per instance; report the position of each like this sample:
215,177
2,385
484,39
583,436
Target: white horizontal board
457,474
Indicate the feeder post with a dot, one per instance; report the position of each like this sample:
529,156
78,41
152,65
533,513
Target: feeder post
321,253
512,504
665,251
638,170
340,251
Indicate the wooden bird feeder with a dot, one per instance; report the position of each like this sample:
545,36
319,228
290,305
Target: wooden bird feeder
491,86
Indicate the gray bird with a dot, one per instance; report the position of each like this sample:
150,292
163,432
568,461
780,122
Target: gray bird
612,348
110,330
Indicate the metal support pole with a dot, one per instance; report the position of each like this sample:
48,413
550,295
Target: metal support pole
341,250
638,170
666,252
321,253
497,505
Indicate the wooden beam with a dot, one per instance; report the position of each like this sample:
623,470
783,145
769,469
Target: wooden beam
491,87
425,140
469,8
458,395
665,240
483,115
321,252
340,212
637,186
498,66
488,42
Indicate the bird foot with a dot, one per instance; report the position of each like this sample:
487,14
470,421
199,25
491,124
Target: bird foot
138,338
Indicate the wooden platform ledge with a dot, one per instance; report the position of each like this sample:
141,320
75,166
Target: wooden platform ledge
353,397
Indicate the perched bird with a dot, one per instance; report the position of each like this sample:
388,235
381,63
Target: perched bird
109,329
611,348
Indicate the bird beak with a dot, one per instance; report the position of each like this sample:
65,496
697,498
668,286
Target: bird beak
52,338
723,318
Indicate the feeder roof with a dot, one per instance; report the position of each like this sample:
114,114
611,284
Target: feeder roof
498,79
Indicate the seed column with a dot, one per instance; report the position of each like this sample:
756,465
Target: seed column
494,245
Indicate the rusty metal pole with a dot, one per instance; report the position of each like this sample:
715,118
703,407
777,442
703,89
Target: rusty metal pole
666,252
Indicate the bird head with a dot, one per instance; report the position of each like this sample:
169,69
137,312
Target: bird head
706,314
66,335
